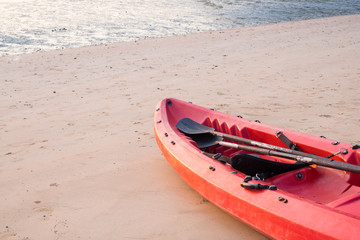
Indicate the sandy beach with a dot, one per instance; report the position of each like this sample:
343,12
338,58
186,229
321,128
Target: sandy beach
78,158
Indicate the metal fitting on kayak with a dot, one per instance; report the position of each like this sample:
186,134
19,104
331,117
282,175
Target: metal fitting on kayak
291,145
342,150
217,156
299,175
255,186
281,199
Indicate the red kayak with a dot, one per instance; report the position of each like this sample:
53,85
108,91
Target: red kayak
285,184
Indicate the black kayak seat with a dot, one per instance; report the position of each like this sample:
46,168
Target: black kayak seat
254,165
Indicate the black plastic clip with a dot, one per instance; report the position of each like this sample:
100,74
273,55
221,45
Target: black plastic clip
355,146
255,186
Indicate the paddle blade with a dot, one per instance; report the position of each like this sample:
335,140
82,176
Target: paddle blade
205,140
188,126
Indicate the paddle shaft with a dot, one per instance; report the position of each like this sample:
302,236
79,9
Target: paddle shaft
265,145
325,162
192,128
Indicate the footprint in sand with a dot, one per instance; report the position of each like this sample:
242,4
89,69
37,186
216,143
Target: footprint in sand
7,235
45,212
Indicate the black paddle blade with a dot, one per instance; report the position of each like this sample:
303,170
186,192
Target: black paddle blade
205,140
201,134
188,126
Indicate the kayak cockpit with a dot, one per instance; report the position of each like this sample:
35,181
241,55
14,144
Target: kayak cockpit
319,184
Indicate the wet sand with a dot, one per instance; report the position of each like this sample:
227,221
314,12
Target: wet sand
78,155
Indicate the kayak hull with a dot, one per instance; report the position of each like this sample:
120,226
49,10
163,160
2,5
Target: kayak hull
309,203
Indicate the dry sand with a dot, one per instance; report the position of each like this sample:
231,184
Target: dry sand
78,158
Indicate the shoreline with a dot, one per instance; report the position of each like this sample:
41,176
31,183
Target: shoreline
176,35
79,158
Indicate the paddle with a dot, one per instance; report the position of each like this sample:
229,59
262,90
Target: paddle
205,136
197,130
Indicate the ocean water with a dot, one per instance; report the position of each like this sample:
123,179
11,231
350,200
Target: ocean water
39,25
